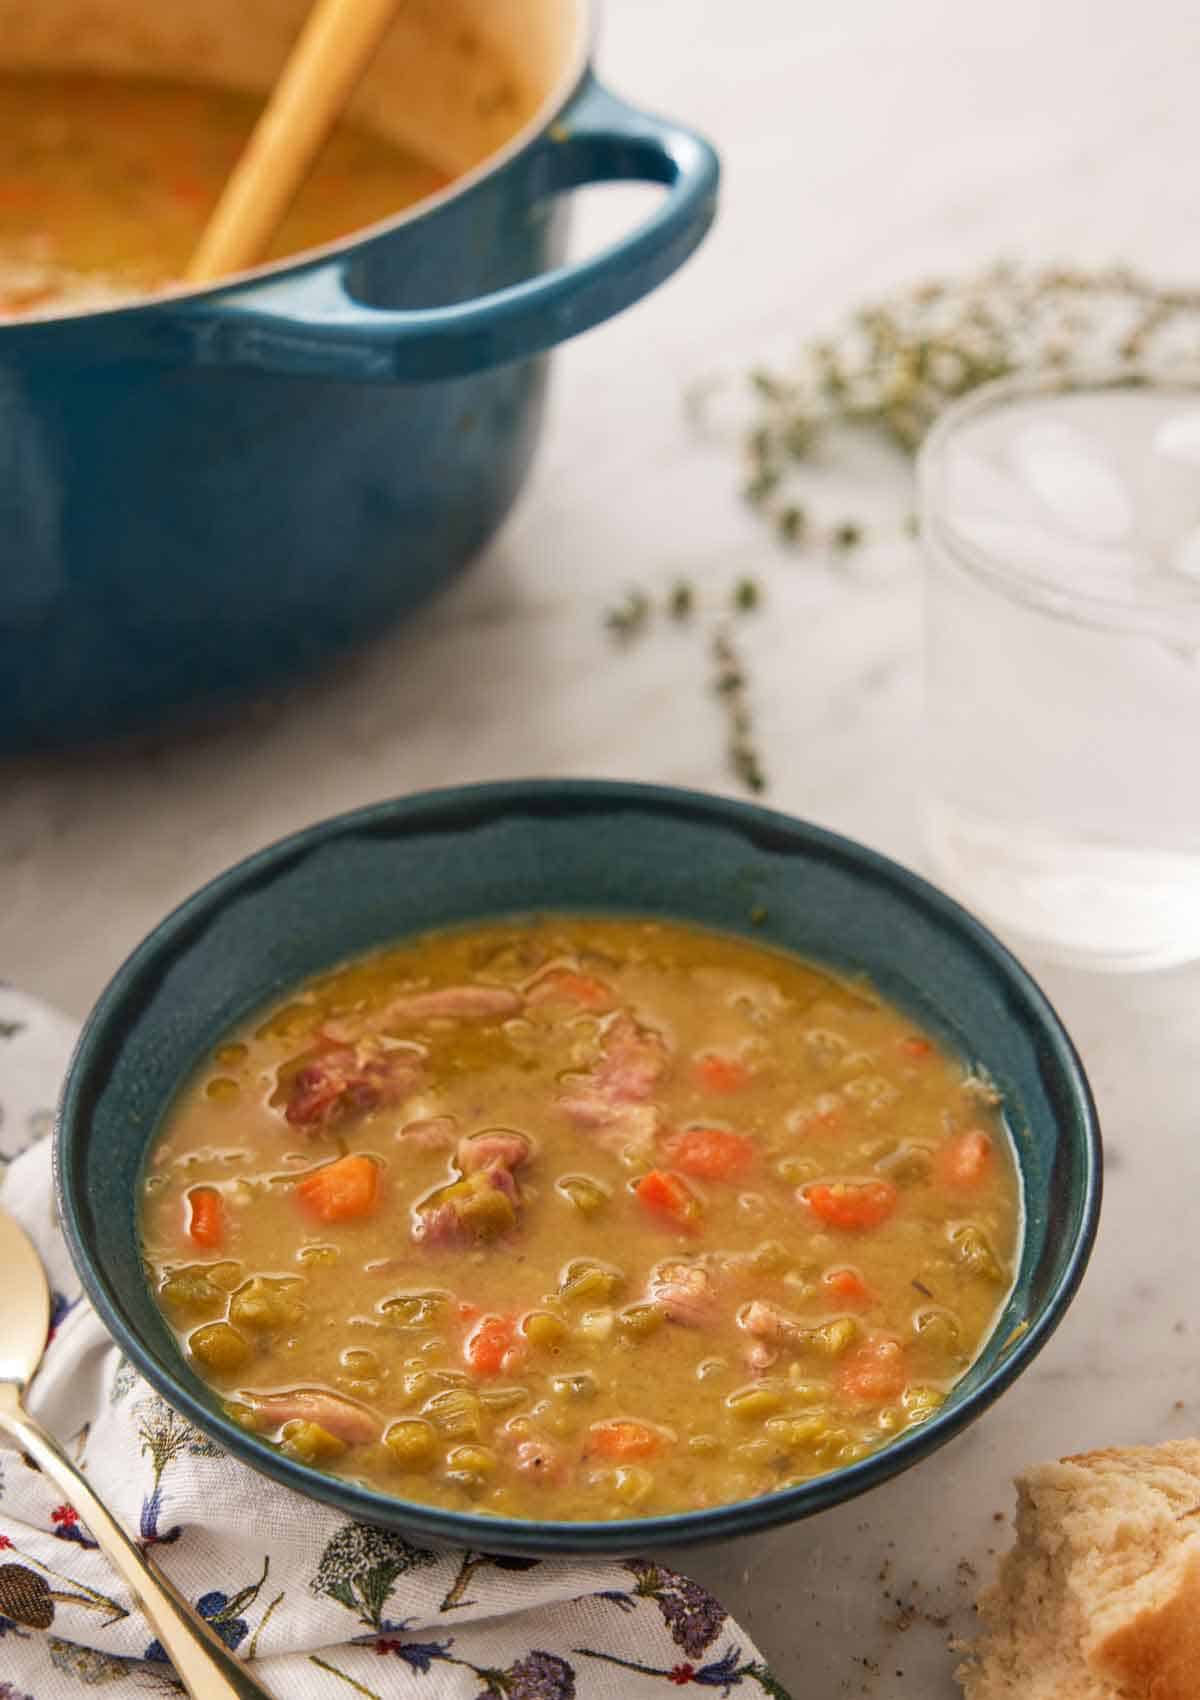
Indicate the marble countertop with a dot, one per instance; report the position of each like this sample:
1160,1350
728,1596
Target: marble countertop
864,145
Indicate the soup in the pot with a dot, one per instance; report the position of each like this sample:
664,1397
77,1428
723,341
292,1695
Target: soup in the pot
581,1219
106,183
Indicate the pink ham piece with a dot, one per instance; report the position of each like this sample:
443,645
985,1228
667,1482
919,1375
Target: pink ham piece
441,1221
683,1292
485,1161
613,1094
350,1080
766,1321
432,1133
455,1003
349,1422
768,1327
497,1148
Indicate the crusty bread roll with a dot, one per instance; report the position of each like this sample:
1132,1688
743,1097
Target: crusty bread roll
1099,1599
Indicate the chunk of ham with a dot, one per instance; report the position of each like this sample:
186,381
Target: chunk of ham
469,1208
769,1328
611,1098
766,1321
430,1133
461,1214
350,1080
497,1148
340,1417
683,1292
456,1003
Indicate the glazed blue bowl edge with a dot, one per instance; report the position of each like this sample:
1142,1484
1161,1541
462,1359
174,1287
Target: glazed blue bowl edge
482,851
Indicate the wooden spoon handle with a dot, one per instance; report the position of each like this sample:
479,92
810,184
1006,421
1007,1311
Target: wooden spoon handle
334,49
203,1663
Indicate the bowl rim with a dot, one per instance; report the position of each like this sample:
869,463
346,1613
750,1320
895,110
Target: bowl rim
422,811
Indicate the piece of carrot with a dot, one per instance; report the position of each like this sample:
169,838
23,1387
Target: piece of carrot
847,1286
964,1160
206,1217
488,1345
561,985
920,1050
621,1437
873,1373
711,1152
851,1205
341,1191
666,1194
720,1074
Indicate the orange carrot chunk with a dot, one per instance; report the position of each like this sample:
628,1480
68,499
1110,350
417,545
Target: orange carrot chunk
847,1286
851,1205
341,1191
920,1050
622,1438
488,1345
719,1074
965,1159
561,985
873,1373
666,1194
206,1218
711,1152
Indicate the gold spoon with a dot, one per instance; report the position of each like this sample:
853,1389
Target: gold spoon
337,43
201,1659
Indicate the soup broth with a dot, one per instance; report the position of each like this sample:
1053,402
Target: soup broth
106,183
581,1219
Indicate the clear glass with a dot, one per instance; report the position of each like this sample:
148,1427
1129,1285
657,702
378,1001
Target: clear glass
1061,528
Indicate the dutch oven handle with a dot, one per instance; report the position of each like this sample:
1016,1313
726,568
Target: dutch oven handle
310,326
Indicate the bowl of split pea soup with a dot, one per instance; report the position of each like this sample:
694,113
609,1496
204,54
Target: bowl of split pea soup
572,1166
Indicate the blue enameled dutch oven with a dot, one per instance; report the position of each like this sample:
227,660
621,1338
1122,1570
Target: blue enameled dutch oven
209,490
452,857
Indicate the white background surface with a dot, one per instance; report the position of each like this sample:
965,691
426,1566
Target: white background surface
865,143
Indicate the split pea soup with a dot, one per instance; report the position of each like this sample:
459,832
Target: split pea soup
106,183
581,1219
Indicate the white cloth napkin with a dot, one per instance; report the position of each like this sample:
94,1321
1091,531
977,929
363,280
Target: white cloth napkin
325,1607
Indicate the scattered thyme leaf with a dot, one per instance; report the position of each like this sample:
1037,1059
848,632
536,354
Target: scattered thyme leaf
792,523
846,536
630,617
747,595
761,484
682,601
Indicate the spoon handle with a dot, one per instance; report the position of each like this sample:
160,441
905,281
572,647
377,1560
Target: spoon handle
201,1659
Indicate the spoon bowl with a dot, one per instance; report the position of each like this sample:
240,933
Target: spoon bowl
24,1305
202,1662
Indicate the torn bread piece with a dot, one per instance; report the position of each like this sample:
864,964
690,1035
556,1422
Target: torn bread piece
1099,1598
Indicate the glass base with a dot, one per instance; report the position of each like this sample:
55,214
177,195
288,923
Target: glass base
1070,901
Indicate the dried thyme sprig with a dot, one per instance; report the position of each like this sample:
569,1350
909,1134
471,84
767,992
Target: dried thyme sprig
729,682
893,366
631,618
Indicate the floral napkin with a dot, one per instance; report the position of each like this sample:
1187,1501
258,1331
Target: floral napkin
326,1608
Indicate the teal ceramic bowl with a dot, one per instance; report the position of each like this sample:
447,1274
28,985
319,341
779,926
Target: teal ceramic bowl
457,856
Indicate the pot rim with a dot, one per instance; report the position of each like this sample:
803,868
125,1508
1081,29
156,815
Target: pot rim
275,271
